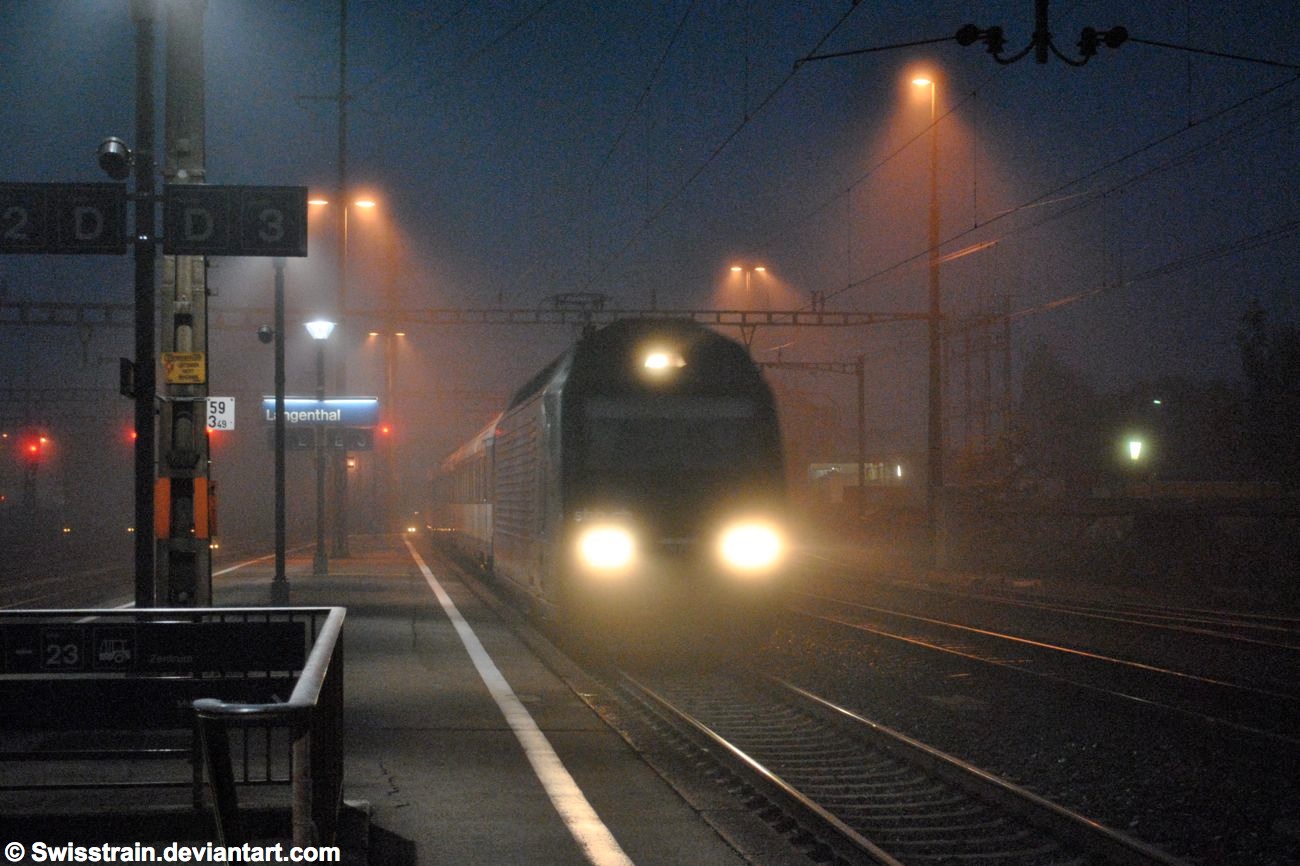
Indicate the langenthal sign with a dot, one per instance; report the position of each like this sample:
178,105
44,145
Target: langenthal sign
307,411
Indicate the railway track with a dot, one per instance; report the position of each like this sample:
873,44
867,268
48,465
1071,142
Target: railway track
1242,707
865,793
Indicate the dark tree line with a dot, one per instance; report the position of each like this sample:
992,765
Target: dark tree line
1069,433
1270,361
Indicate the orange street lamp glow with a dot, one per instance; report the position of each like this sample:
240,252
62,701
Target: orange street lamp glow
922,81
365,202
318,202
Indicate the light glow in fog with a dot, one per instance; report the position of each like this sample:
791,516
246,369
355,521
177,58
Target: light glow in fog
607,549
752,547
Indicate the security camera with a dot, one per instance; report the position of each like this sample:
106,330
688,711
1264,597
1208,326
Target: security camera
266,333
115,158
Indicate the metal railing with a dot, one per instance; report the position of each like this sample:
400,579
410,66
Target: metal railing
313,716
96,692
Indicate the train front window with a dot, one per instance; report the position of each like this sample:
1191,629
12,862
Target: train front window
641,438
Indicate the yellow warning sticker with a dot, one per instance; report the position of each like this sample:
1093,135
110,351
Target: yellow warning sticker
185,368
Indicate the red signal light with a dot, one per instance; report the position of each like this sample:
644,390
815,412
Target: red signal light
34,447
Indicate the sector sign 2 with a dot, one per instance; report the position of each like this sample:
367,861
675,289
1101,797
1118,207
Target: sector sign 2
76,218
203,220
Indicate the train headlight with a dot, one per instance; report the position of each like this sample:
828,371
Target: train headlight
752,547
607,548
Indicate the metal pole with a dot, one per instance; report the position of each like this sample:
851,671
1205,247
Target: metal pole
321,564
860,370
184,566
934,473
279,583
142,11
341,459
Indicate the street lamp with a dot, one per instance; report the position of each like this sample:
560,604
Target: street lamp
320,330
1135,450
340,466
934,436
748,272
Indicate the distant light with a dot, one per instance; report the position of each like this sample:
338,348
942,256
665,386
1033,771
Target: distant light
922,81
365,202
400,334
373,334
320,329
898,471
1134,449
735,269
1158,402
760,270
318,201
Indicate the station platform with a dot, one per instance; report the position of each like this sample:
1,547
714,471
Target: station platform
456,764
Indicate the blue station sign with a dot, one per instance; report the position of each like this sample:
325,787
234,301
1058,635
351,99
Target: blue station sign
310,412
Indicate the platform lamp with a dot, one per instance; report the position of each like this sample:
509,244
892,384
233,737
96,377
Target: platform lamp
320,330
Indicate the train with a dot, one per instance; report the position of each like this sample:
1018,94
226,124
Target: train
637,480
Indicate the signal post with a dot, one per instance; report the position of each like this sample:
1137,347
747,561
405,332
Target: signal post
184,500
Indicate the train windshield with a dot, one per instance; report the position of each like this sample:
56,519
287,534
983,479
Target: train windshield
668,437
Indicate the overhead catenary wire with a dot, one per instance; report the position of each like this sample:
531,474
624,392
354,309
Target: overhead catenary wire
748,116
1056,193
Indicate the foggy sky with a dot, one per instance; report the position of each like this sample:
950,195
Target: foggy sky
1129,208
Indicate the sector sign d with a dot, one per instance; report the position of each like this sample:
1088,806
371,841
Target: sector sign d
202,220
75,218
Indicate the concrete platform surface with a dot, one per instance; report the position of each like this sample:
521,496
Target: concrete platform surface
450,764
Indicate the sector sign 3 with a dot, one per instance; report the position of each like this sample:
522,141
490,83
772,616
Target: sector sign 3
203,220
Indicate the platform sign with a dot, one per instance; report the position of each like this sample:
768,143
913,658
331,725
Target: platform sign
43,218
334,438
308,411
221,413
205,220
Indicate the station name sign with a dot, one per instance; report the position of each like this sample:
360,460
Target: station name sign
306,411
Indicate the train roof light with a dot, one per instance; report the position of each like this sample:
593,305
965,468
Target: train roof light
659,362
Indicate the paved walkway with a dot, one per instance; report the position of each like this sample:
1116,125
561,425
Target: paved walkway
461,741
